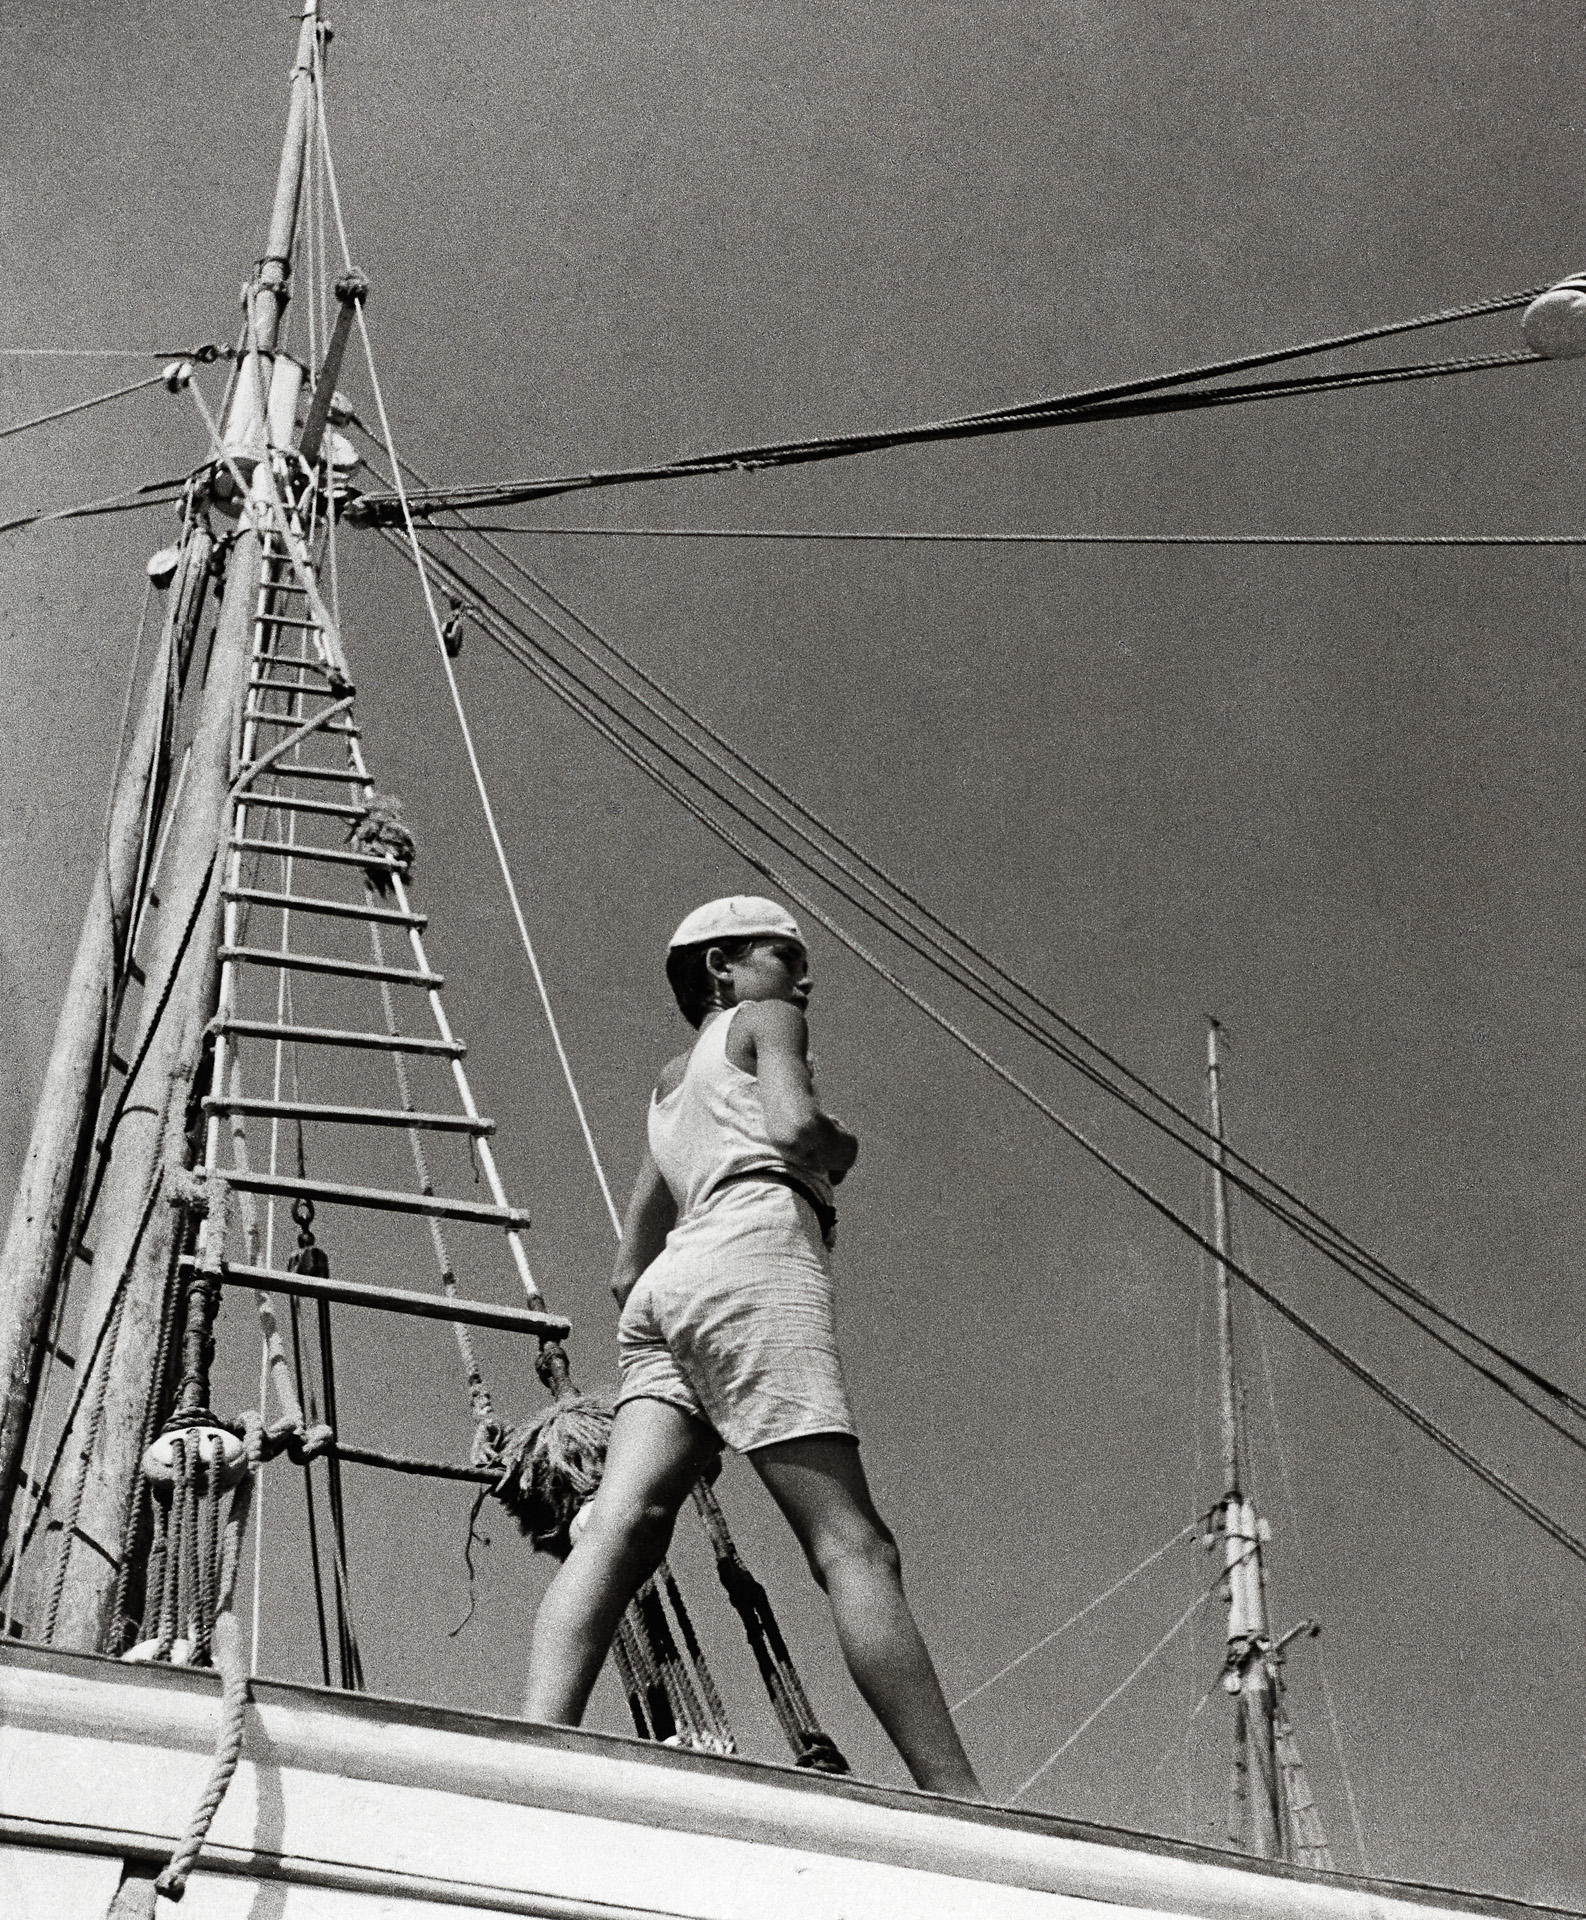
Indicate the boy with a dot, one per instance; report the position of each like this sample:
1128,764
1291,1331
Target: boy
726,1337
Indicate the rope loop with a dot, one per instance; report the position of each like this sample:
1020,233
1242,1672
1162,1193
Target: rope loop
188,1189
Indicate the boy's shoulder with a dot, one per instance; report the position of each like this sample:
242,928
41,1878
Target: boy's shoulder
774,1022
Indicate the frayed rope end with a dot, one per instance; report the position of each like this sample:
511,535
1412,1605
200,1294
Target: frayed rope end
551,1465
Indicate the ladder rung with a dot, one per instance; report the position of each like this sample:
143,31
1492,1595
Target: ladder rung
305,850
288,804
427,1306
271,649
282,770
338,909
298,720
344,1037
270,656
384,1199
290,686
326,963
351,1116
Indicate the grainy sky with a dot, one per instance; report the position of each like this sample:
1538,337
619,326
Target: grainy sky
1331,796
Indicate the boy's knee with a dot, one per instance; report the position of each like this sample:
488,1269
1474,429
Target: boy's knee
638,1528
859,1548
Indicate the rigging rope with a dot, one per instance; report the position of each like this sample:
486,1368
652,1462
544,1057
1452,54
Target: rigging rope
1328,1239
1344,1251
1074,1619
901,537
205,353
1287,1206
378,510
1118,1691
1125,399
153,493
473,756
1490,1476
81,406
812,1746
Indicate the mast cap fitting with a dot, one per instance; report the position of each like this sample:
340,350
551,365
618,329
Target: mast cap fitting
738,916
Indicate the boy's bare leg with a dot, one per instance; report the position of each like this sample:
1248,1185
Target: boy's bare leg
820,1485
655,1455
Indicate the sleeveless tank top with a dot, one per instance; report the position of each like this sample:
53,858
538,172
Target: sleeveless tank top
712,1124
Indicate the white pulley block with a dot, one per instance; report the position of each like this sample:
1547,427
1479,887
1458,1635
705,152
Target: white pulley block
1555,322
220,1453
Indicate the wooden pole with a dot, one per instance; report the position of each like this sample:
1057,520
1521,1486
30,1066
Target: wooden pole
133,1259
1249,1677
35,1253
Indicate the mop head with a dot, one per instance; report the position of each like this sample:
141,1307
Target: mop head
551,1465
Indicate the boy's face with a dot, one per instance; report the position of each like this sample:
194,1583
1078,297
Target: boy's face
770,969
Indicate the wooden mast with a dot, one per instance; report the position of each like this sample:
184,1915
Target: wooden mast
36,1249
134,1259
1250,1676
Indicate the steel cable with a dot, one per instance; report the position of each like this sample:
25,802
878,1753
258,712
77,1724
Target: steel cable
1120,400
1287,1207
1342,1247
520,649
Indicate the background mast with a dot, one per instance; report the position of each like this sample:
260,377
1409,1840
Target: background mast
1250,1678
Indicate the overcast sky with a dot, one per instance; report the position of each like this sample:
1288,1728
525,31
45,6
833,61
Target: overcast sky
1331,796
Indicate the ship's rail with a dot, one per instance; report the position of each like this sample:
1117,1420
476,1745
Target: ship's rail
387,1803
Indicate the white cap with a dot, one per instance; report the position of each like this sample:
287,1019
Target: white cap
739,917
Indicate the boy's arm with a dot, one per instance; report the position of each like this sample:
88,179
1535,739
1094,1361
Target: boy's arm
651,1215
794,1120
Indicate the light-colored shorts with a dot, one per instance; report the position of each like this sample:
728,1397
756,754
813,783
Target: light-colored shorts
732,1323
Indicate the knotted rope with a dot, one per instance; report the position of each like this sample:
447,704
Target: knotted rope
380,830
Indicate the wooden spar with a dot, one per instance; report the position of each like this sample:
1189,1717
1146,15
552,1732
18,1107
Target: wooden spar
133,1258
135,1224
1257,1779
351,291
36,1252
